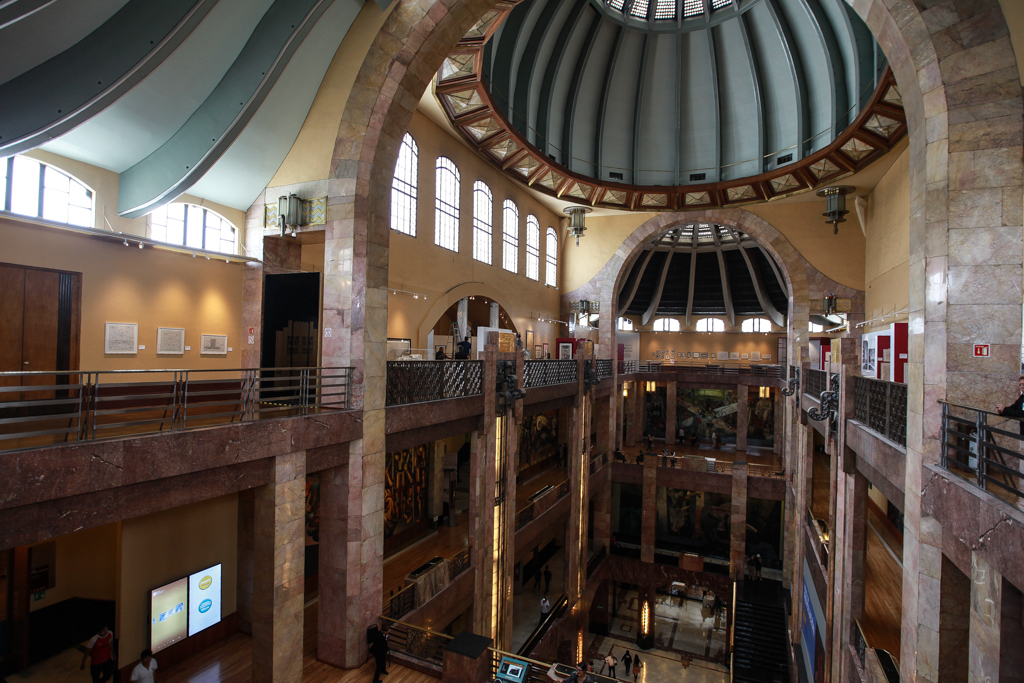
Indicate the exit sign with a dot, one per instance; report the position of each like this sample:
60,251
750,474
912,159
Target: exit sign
981,351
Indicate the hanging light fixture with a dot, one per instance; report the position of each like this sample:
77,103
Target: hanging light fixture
289,213
577,224
835,204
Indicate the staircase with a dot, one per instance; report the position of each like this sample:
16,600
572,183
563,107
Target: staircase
759,648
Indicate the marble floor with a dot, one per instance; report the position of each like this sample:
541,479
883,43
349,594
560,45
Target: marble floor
57,669
658,666
526,604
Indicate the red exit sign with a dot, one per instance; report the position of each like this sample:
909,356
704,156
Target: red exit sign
981,351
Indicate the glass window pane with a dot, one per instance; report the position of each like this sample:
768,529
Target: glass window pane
212,232
194,227
446,204
25,188
551,257
3,184
510,236
79,216
176,224
532,247
403,188
483,244
55,205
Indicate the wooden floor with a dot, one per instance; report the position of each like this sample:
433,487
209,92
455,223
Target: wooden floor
883,586
820,490
755,456
230,661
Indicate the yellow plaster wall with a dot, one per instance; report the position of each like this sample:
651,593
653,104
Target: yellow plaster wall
166,546
150,287
887,257
709,343
444,277
86,567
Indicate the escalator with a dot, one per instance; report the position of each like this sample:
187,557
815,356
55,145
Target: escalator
760,639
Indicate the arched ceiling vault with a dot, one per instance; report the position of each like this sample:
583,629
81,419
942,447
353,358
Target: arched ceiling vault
701,269
671,104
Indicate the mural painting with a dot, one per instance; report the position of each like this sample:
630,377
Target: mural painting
760,419
693,521
405,489
312,508
655,412
706,411
538,439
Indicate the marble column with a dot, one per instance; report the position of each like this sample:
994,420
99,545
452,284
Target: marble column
671,430
482,478
600,418
986,622
246,540
853,523
603,515
495,321
435,482
462,318
742,408
629,415
779,413
278,570
648,530
948,655
579,474
738,522
638,408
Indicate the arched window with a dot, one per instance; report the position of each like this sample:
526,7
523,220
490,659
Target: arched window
446,204
812,327
43,191
403,188
710,325
551,255
625,324
532,247
756,325
483,243
192,226
666,325
510,236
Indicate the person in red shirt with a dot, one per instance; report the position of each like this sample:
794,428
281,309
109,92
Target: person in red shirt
100,650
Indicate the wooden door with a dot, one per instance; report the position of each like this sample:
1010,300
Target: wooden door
12,306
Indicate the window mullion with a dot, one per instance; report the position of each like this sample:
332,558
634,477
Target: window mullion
42,188
10,183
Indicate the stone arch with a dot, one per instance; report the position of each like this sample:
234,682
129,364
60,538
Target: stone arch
452,296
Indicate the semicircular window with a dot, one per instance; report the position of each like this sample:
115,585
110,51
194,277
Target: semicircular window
193,227
666,325
756,325
710,325
37,190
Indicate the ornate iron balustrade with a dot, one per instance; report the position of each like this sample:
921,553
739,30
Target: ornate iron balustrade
418,381
815,382
563,490
988,456
401,603
418,643
43,408
543,373
627,367
524,516
881,407
604,367
458,563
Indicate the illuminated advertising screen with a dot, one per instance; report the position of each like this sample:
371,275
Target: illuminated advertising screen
203,599
169,617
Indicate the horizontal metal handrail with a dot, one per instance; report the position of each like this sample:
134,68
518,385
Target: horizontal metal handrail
983,454
419,381
107,404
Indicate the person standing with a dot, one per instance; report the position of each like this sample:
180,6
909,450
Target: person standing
757,567
547,579
1015,409
611,661
379,650
637,667
627,662
545,607
440,354
100,652
465,348
143,671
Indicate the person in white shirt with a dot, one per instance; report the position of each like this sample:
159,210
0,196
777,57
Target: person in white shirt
143,671
611,661
545,607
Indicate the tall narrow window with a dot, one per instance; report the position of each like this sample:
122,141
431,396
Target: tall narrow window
446,204
193,226
532,247
483,235
403,188
551,256
42,191
510,236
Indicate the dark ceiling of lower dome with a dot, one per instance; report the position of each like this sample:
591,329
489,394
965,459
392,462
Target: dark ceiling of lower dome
612,90
730,272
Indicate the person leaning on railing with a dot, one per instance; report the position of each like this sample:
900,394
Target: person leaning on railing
1016,409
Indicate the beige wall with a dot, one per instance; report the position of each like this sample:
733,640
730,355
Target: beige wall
151,287
709,343
887,257
86,567
418,265
166,546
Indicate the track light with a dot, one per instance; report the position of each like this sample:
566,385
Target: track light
126,243
141,245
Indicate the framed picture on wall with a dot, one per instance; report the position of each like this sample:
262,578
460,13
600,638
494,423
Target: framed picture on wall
766,356
704,355
170,340
213,345
538,351
546,349
121,338
734,355
755,355
529,340
744,356
723,355
565,351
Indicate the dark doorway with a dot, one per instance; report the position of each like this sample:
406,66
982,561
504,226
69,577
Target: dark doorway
291,319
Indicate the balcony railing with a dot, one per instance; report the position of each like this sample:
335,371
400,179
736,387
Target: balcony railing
415,642
43,408
543,373
988,456
881,407
458,563
418,381
604,368
815,382
401,603
627,367
819,533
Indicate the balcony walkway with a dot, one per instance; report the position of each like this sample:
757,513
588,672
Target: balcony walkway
883,585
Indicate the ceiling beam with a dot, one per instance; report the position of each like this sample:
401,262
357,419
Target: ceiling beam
715,99
762,294
641,84
572,98
602,111
834,62
12,11
755,75
723,271
636,283
775,269
656,299
548,83
796,70
504,46
693,278
520,114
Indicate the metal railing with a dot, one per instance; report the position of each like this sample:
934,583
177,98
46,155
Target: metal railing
43,408
860,644
458,563
416,642
524,516
418,381
597,462
986,455
593,562
627,367
713,368
401,603
815,382
543,373
604,367
819,536
882,407
563,490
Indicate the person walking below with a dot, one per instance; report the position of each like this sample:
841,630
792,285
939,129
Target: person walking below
757,567
627,662
1015,409
100,652
143,671
637,667
379,650
611,661
547,579
545,607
